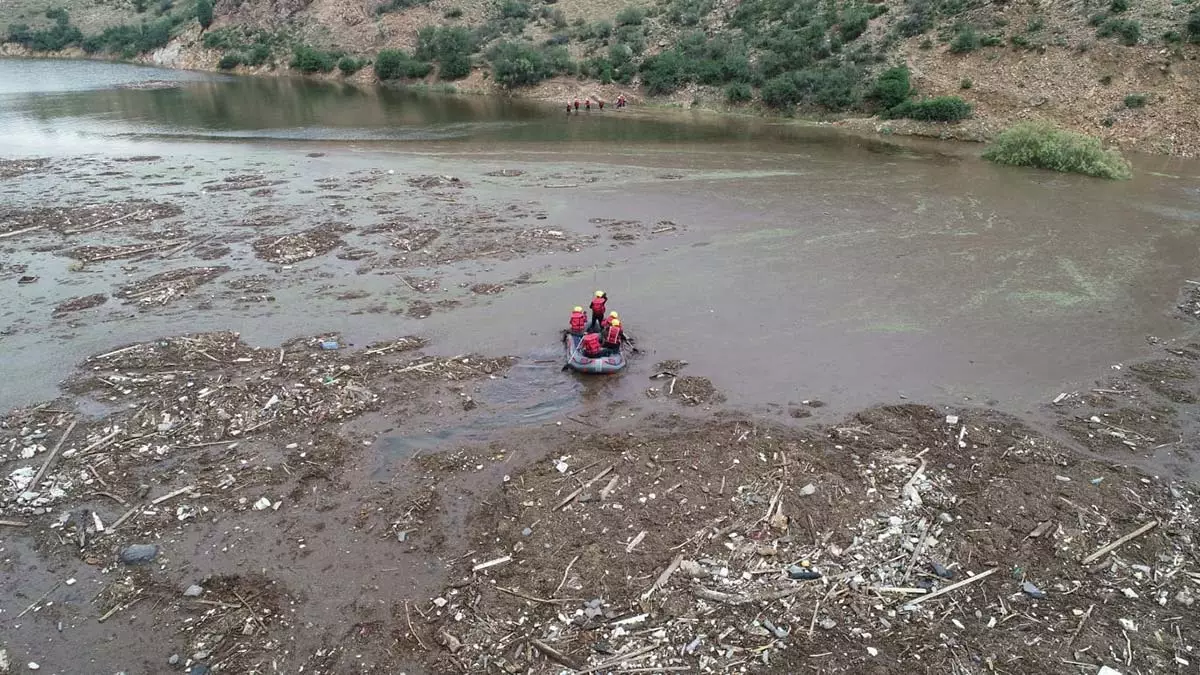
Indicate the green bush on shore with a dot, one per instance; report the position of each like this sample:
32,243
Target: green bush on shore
309,60
1041,145
937,109
394,64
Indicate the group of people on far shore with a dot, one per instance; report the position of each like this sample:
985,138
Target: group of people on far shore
602,336
587,104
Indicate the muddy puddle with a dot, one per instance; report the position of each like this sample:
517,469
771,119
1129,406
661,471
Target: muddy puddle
317,364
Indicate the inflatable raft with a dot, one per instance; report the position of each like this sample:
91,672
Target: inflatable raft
578,362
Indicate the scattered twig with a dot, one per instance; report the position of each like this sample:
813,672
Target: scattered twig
953,587
553,654
565,573
617,660
1120,542
664,577
250,609
1079,628
53,454
531,598
22,231
731,599
35,602
491,563
14,523
581,488
171,495
408,618
636,540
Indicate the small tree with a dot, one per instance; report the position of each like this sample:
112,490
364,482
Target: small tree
204,13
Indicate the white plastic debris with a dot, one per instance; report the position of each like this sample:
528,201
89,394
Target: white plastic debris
262,504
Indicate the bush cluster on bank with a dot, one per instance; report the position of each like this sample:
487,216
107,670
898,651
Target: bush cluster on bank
395,64
1041,145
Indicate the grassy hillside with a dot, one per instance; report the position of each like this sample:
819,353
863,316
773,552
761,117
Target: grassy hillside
1122,69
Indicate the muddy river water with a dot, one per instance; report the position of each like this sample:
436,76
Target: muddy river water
801,262
784,262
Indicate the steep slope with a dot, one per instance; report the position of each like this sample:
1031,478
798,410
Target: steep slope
1126,73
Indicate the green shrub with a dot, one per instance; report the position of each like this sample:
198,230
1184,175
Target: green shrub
938,109
1106,79
966,83
600,30
58,36
230,61
392,64
204,13
854,20
1040,145
688,12
558,19
258,54
1173,37
129,41
1192,27
519,64
965,40
398,5
454,67
350,65
631,16
738,92
664,73
892,87
991,41
514,9
780,92
1126,30
450,46
1135,101
1118,6
453,13
1021,41
309,60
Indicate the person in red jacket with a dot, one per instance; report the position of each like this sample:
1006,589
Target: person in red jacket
576,105
598,303
591,346
612,338
604,324
578,321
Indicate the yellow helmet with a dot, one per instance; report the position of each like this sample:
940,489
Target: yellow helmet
613,315
616,322
599,294
577,309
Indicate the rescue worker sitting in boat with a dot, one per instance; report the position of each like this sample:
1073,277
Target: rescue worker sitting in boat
604,324
613,336
591,347
579,321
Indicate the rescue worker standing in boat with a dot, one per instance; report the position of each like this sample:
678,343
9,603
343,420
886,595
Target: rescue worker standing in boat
598,304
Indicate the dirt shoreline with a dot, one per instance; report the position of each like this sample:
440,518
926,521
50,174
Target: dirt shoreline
190,502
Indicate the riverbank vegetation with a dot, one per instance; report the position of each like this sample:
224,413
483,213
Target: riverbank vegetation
1043,146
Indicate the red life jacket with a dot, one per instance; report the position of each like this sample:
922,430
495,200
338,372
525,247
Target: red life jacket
613,336
578,322
591,345
598,305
